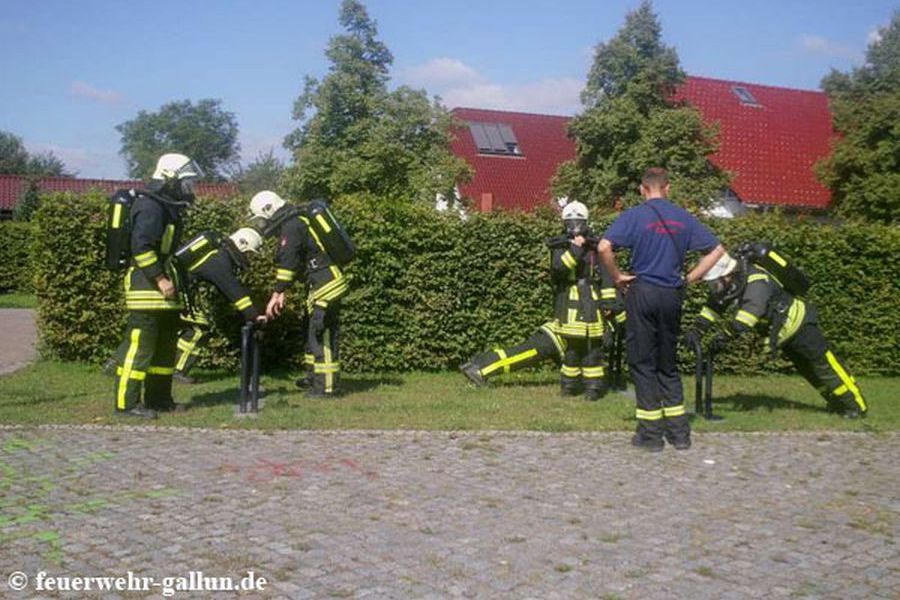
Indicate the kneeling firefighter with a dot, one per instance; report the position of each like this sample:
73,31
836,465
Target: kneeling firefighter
575,338
144,229
312,248
214,259
767,290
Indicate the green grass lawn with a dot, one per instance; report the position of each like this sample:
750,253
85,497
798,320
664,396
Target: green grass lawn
17,300
53,392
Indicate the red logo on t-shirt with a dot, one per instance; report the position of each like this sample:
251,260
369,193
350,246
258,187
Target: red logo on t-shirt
660,226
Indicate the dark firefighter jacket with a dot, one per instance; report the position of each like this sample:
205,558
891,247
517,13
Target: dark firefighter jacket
765,306
217,265
579,295
301,255
155,233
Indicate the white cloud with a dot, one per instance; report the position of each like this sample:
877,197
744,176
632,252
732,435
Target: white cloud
442,72
458,84
874,36
85,162
80,89
817,44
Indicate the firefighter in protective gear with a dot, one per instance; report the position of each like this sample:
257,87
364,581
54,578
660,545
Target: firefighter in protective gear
790,322
302,257
575,338
146,357
216,260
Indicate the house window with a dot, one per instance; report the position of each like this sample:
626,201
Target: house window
495,138
744,96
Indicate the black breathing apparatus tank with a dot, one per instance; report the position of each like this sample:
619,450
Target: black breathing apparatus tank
763,255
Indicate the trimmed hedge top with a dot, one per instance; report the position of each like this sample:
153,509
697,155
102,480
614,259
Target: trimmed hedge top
429,289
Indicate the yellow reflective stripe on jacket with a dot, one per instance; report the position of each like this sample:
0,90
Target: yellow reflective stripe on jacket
649,415
145,259
621,317
568,260
849,382
757,277
165,246
161,371
796,314
127,367
284,275
199,244
593,372
200,262
608,293
746,318
709,314
243,303
673,411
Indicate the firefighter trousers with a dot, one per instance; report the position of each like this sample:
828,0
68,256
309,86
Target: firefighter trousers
582,367
322,350
146,360
820,366
652,329
542,345
193,336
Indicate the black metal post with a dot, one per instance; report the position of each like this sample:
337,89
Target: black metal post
710,357
698,379
246,365
254,379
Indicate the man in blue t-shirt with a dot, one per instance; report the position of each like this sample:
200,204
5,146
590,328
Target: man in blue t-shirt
658,234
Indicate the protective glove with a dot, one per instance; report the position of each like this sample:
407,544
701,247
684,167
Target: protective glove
692,338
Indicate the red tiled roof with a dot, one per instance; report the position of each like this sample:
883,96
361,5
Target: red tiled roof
10,190
770,149
12,186
515,181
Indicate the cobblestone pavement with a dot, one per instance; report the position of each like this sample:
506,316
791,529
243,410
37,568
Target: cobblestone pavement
17,342
435,515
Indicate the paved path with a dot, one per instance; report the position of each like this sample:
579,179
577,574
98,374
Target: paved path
17,340
435,515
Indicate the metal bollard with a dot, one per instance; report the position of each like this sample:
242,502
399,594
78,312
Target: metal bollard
703,383
250,361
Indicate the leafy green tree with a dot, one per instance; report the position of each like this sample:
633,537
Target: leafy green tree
16,160
356,136
204,131
264,173
863,171
631,122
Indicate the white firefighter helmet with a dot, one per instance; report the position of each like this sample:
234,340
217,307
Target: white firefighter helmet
575,210
264,204
723,267
176,166
246,239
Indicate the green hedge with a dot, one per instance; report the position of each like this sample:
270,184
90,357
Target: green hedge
428,289
15,256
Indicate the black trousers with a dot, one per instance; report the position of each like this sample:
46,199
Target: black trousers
191,340
582,366
652,331
820,366
146,359
323,352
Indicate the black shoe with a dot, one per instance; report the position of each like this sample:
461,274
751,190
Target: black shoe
137,411
182,378
319,394
473,374
303,383
683,444
854,413
647,444
591,395
165,407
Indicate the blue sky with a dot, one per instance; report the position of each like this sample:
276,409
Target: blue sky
72,70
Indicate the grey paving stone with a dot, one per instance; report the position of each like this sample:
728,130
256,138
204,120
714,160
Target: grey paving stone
438,515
